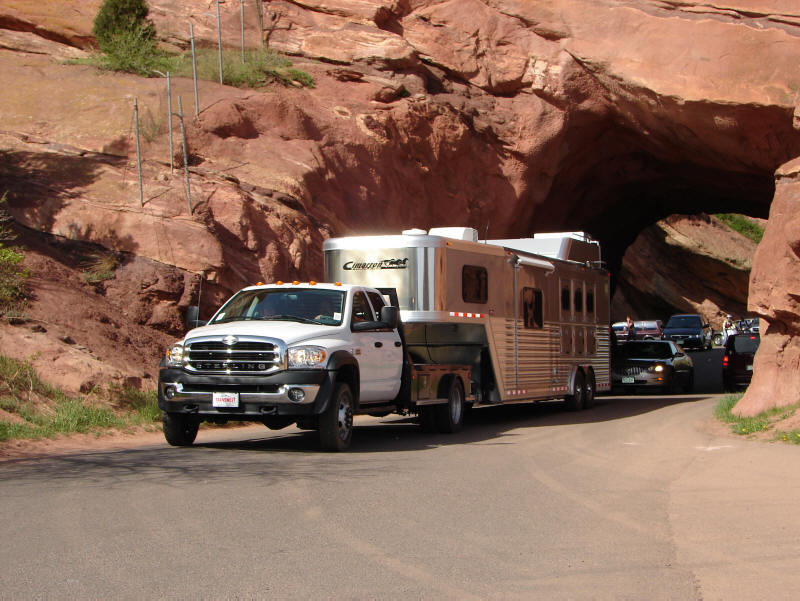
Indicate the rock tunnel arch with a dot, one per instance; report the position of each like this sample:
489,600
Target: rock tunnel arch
629,180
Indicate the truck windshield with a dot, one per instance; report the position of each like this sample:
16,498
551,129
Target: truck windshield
685,321
646,350
293,304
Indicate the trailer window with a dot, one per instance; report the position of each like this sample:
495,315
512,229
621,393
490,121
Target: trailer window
578,303
532,308
474,284
590,302
565,298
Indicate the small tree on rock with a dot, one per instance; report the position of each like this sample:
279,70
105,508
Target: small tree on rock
122,18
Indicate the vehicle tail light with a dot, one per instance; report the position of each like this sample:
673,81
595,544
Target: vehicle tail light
725,360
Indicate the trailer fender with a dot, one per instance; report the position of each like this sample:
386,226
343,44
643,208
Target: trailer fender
573,376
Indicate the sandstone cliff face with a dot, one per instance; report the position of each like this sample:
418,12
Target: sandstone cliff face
518,116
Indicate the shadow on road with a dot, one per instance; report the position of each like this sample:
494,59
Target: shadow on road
295,454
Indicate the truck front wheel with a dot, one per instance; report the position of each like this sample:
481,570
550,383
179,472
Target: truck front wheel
180,430
336,422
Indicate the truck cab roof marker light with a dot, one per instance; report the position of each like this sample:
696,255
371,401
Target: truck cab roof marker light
279,283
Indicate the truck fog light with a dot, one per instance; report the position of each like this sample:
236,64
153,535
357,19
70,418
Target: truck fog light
296,394
169,392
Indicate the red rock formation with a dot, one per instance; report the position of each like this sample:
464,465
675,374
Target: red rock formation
775,298
517,115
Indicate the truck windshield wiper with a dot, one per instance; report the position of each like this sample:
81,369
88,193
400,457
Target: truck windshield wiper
287,318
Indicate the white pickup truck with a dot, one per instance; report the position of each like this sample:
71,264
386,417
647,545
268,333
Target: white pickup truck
309,354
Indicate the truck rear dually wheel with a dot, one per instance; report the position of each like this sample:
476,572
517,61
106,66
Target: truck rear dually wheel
180,429
450,417
336,422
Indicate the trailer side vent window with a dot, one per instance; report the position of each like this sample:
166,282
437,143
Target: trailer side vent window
474,284
565,298
532,308
590,302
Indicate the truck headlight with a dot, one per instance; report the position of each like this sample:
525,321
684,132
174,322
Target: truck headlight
658,368
305,357
175,355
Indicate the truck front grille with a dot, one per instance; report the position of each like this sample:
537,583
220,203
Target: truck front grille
241,357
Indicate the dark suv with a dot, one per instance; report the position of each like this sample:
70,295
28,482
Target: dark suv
689,331
737,363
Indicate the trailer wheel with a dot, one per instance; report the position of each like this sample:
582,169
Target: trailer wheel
576,401
591,391
450,417
180,430
336,422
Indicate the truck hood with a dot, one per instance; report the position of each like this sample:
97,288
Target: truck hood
291,332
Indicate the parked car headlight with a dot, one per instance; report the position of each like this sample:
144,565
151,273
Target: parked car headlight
175,355
657,368
305,357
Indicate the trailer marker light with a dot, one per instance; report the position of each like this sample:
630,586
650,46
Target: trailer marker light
259,283
295,283
461,314
337,284
312,283
279,283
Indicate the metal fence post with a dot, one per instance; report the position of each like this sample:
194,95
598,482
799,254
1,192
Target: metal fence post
138,150
169,120
194,73
260,10
219,41
241,18
185,156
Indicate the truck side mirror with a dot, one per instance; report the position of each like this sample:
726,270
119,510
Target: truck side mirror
390,316
192,315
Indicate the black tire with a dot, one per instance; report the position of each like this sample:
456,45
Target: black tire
575,402
450,417
591,391
180,429
336,422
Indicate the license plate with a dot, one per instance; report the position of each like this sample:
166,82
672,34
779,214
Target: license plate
225,399
627,379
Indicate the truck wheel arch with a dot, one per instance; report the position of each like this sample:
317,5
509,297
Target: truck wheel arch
345,367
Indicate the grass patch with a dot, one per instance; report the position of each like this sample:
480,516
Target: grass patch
760,423
260,68
134,53
99,267
741,224
44,411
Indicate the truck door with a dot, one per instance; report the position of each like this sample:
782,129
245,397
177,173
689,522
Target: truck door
379,354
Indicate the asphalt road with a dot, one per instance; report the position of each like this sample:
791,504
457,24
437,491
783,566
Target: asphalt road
642,497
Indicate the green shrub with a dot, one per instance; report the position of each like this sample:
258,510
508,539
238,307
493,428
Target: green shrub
13,276
122,18
132,52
